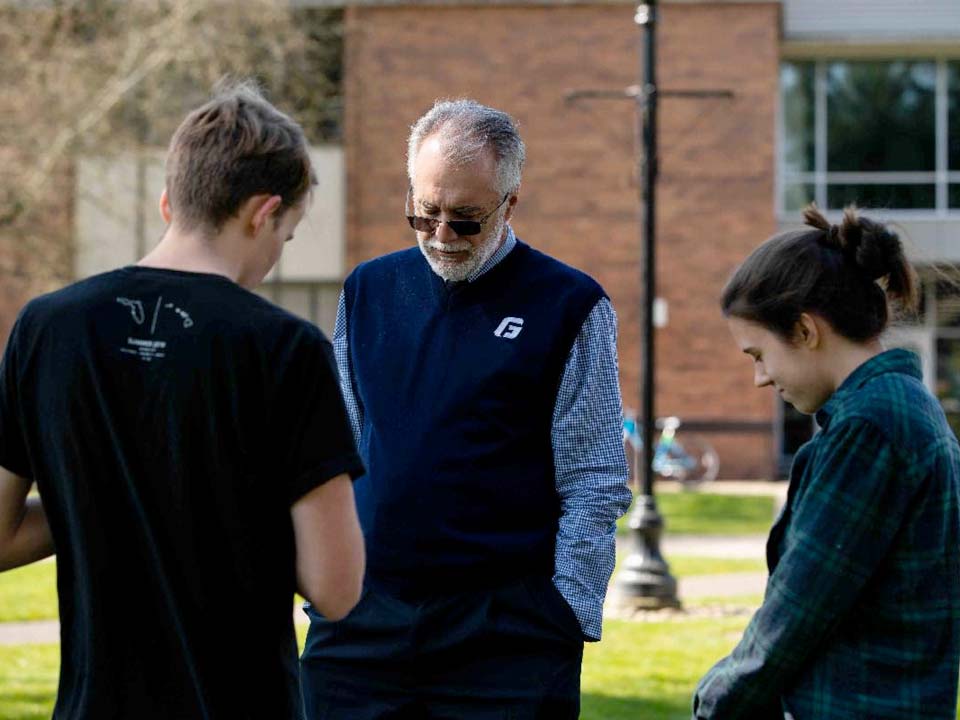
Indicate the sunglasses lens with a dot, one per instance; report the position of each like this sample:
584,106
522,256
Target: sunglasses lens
464,227
422,224
429,225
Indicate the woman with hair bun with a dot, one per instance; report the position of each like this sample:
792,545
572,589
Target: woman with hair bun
861,615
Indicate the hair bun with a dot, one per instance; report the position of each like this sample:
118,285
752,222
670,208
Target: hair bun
874,248
867,244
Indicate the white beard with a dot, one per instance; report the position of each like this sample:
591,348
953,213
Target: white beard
477,255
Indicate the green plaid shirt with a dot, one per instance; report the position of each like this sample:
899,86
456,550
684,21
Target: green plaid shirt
861,616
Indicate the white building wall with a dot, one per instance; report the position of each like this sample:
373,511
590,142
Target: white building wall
851,20
118,217
105,215
317,251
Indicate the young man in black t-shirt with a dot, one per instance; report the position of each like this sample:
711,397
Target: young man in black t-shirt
189,443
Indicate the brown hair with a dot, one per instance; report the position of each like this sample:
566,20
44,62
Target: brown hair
235,146
847,274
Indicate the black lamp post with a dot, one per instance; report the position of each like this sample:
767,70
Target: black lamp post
645,580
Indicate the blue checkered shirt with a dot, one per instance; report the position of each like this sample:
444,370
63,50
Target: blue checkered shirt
588,455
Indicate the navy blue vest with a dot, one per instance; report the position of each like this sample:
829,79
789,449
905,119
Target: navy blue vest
457,387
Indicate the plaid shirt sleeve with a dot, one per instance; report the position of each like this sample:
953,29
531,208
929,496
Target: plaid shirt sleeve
837,528
591,467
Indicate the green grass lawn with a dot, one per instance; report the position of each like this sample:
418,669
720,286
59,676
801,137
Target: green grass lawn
649,669
641,670
696,513
28,681
29,593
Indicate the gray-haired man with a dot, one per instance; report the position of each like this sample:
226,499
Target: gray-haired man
481,380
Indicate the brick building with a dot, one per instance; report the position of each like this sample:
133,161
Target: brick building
832,100
728,176
579,199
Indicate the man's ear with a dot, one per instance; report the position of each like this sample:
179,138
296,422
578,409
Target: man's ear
511,204
808,331
165,207
259,209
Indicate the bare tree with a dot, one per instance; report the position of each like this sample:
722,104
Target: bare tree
111,76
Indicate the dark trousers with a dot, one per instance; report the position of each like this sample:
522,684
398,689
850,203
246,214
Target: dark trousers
509,653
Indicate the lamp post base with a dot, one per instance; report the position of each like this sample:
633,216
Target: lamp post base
644,581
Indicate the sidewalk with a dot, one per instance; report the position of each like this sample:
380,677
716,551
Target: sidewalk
28,633
720,586
715,546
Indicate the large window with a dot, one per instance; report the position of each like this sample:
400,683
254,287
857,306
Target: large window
881,133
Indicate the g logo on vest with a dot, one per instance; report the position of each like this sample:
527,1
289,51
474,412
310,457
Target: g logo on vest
509,328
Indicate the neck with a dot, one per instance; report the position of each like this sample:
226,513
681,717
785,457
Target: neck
193,252
850,356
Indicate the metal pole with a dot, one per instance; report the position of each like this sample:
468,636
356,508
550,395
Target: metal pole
648,117
645,580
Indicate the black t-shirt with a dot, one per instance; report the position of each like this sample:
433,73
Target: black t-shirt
170,419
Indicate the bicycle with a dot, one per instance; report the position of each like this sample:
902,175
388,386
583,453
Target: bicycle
690,460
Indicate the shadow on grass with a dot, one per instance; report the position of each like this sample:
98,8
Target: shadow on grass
594,706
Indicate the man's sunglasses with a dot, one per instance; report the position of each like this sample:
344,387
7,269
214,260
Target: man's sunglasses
460,227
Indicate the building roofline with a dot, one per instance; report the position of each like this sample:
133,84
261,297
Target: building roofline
487,3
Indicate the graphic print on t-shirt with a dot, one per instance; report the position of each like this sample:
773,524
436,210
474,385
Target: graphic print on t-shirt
152,348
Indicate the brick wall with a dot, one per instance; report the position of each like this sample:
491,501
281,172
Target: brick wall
579,199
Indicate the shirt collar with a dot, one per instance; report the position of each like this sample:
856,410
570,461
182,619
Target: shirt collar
897,360
508,244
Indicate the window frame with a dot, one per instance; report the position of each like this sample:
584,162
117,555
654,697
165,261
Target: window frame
941,178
